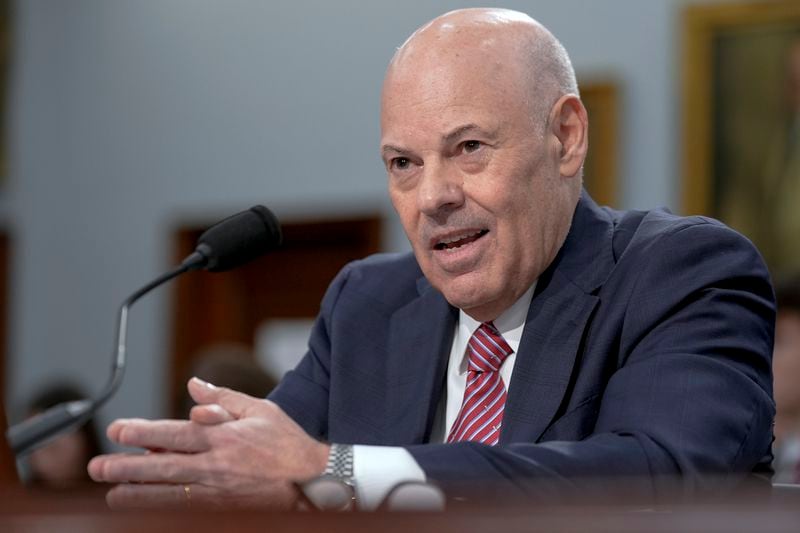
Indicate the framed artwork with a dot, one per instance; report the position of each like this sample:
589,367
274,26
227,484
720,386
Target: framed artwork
600,169
741,122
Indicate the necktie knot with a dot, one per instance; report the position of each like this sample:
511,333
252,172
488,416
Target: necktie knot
487,349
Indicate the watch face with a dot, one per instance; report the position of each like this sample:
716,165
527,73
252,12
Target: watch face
329,493
415,496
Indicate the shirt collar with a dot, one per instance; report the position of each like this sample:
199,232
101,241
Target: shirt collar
510,324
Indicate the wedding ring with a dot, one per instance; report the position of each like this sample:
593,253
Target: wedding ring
187,490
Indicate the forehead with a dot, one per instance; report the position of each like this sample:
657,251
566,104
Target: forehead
435,94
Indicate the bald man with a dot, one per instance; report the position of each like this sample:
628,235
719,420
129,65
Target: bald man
533,343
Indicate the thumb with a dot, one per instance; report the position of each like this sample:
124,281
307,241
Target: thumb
209,414
236,403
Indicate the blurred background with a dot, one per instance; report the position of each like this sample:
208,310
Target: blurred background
129,127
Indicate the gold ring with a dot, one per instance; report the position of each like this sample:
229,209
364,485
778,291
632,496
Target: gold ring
187,490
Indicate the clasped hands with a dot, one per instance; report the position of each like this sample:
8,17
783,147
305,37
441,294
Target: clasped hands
234,451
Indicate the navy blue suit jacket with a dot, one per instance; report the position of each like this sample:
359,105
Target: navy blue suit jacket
646,353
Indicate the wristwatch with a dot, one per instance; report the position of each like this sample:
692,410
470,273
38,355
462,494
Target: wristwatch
335,489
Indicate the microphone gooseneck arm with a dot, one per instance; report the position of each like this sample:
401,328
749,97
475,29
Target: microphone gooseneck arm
118,365
228,244
29,434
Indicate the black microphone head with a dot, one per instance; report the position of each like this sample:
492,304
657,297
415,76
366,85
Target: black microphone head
238,239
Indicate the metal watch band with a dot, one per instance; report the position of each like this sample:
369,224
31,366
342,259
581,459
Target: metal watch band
340,462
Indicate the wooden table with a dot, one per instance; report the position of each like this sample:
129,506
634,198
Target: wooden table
25,511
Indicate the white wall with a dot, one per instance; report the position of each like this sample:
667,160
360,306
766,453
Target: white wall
129,116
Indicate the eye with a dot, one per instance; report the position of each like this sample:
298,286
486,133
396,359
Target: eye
399,163
471,146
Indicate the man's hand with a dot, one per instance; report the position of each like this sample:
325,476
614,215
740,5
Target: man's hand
237,451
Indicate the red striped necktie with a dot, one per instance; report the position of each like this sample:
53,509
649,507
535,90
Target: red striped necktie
481,413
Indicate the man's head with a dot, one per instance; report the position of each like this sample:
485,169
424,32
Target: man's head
483,137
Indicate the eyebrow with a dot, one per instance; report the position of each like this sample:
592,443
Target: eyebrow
461,130
446,139
390,148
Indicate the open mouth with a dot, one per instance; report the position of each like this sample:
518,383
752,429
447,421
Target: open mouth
457,241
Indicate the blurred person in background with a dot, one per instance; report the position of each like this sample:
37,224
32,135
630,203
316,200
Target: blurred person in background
229,365
786,369
61,464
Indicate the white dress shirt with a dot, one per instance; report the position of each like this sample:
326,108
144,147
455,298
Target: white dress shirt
377,469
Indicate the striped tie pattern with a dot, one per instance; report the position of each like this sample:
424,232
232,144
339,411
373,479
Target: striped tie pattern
481,413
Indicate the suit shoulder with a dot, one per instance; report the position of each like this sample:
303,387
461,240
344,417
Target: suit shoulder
662,220
659,229
385,278
402,267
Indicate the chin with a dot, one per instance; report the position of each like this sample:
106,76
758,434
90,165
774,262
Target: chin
466,299
465,291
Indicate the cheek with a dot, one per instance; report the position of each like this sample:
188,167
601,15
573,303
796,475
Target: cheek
522,211
535,223
404,207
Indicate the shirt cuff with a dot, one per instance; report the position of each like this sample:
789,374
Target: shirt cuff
378,469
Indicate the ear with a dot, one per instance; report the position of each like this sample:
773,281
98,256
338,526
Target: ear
569,124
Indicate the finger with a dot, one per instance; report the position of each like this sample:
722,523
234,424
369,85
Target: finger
146,468
210,414
202,391
236,403
173,435
127,496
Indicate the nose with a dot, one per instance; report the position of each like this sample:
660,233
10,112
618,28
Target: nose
440,191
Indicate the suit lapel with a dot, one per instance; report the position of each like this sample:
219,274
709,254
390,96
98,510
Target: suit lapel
421,333
558,316
547,352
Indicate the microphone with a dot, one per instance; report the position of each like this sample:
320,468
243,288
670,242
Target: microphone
236,240
228,244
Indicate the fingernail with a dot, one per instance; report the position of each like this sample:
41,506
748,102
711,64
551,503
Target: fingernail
205,384
114,428
95,468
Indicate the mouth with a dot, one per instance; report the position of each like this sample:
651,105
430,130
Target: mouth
456,241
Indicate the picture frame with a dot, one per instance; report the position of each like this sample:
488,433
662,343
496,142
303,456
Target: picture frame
741,122
601,168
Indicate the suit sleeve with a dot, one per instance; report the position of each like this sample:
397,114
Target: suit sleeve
690,401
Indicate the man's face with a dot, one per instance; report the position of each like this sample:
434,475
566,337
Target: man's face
475,180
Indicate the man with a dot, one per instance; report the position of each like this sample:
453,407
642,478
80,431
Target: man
534,342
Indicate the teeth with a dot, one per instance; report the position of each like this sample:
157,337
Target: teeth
451,244
458,237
